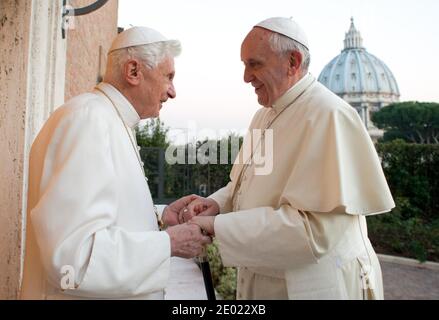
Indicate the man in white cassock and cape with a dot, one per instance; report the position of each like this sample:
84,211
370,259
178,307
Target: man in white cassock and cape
92,231
298,231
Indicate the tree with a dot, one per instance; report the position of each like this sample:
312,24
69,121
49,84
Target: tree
153,134
152,138
415,122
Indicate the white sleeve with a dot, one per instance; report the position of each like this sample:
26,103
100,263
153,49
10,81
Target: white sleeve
264,237
74,219
224,198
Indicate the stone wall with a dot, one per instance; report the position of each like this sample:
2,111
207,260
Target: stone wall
36,73
87,46
14,48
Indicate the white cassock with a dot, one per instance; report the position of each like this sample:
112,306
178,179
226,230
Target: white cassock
300,231
90,208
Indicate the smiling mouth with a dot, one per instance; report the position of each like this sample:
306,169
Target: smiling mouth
258,88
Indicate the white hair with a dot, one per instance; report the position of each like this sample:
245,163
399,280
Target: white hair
283,45
150,54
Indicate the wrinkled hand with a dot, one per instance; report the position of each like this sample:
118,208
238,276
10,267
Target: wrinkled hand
198,207
171,213
206,223
187,240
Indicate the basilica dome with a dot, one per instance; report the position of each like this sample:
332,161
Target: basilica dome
360,78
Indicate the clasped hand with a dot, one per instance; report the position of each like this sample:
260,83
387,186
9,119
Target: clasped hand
192,209
191,224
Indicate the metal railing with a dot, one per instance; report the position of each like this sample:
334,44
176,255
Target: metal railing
170,182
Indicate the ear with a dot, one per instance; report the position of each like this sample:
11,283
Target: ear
131,72
295,62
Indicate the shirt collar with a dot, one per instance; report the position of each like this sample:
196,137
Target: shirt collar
283,101
129,115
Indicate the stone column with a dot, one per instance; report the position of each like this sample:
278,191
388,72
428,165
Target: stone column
32,73
365,114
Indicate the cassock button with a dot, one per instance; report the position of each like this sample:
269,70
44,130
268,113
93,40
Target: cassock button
139,148
142,163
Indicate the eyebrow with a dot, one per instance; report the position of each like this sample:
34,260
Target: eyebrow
252,60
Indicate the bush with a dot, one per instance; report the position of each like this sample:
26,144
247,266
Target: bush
412,228
224,278
413,237
412,173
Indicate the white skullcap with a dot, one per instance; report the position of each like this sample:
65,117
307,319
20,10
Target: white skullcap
138,36
286,27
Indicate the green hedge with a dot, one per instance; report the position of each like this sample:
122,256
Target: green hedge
412,228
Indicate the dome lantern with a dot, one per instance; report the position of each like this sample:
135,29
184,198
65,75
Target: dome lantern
353,38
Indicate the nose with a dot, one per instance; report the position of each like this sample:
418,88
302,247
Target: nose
171,91
248,76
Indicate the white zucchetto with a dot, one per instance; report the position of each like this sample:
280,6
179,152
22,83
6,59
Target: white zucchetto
287,27
138,36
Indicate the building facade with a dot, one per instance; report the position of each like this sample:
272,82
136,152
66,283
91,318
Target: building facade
361,79
43,61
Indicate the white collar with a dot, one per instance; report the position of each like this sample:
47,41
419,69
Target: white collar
291,94
129,115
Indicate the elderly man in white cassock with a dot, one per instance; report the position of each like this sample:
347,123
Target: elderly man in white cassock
92,229
298,232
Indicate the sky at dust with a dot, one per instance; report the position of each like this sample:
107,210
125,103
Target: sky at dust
211,93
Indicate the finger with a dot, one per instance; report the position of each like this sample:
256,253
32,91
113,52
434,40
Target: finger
188,199
188,214
199,226
206,240
210,211
192,211
181,203
199,207
181,218
193,197
202,229
192,205
205,228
